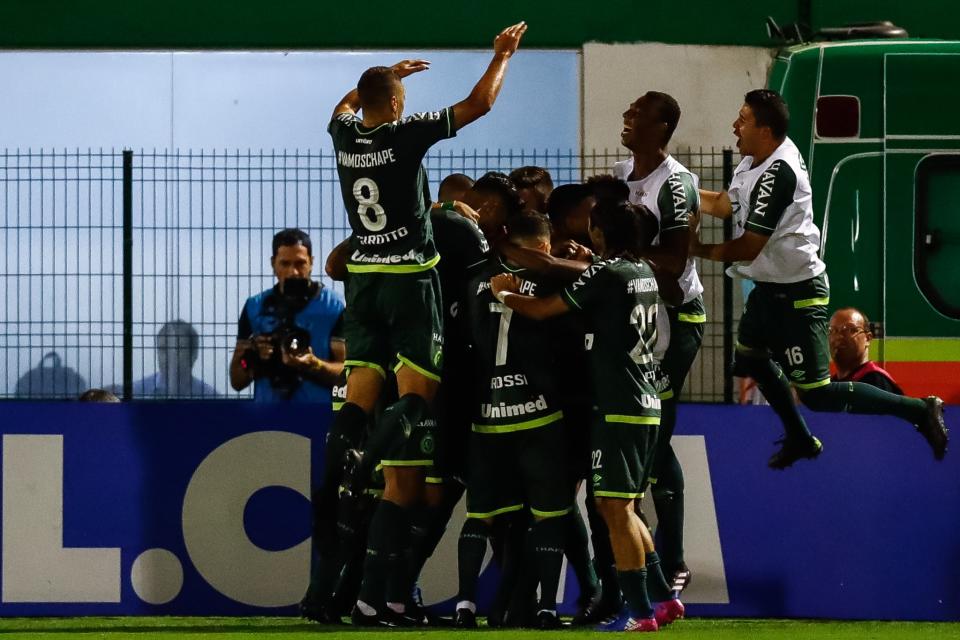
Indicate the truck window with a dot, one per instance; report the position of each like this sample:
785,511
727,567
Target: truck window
838,117
937,241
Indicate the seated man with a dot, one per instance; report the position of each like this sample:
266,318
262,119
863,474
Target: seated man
178,347
849,337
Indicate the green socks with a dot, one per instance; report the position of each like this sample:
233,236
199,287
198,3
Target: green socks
657,587
634,585
668,502
577,549
470,551
388,538
857,397
775,388
547,537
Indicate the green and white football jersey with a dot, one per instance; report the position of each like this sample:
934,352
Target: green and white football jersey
670,192
774,199
382,182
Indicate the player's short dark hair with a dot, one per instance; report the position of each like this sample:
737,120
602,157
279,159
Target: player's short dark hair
608,188
291,238
499,184
458,181
627,228
98,395
769,110
565,199
532,177
529,225
668,110
376,86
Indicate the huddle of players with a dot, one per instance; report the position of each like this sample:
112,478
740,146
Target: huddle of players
520,391
554,368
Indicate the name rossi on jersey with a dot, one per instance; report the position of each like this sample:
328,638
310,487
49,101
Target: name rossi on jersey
503,410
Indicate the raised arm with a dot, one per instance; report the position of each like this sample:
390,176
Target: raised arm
484,94
715,203
543,263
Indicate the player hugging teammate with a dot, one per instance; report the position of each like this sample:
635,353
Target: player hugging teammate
492,352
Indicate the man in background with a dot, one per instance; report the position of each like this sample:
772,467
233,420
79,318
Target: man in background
849,337
177,348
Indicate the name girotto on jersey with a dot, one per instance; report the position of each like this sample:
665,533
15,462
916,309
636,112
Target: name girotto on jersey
384,238
362,160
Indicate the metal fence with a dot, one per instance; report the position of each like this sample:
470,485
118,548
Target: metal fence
128,270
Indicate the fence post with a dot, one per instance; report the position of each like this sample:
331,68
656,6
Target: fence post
127,274
728,335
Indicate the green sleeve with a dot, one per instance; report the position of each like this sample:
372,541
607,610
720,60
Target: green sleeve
771,196
587,290
340,122
678,198
473,244
423,130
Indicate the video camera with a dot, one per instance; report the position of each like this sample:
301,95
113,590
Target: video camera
279,312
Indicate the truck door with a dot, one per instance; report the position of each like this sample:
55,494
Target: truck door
922,218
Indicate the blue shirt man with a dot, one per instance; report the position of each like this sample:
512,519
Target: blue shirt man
273,321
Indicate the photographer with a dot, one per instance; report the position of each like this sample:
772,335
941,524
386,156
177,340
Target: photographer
288,340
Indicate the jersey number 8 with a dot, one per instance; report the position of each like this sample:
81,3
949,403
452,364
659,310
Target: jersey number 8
378,220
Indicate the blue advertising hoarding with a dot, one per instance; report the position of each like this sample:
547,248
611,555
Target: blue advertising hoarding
202,509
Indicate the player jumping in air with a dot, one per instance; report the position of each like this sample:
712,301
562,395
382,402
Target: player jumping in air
782,338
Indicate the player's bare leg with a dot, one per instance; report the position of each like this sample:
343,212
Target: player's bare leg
631,541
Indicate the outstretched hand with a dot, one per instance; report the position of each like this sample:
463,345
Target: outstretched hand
508,40
504,282
405,68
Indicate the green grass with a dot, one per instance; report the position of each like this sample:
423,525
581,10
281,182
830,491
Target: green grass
293,628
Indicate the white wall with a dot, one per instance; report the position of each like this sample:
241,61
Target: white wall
708,82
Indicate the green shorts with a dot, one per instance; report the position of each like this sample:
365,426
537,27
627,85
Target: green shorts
510,470
686,335
622,455
788,322
393,320
418,448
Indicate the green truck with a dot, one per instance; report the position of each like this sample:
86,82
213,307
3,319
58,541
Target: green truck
878,122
